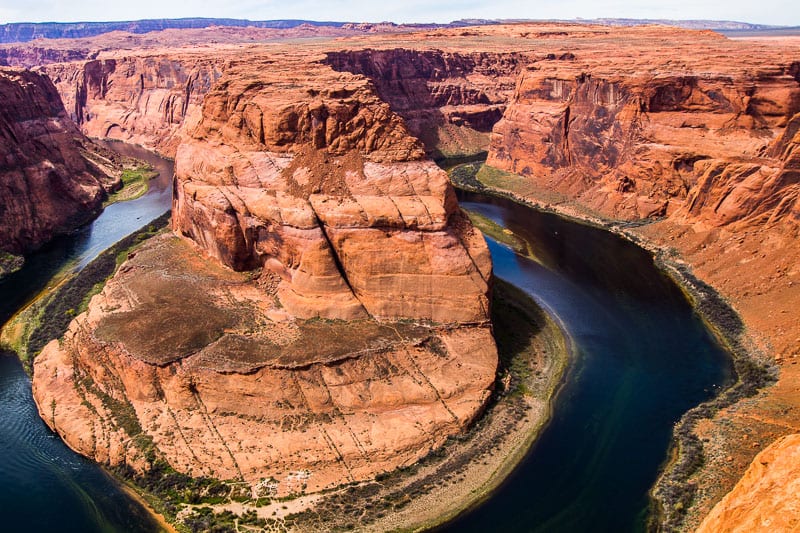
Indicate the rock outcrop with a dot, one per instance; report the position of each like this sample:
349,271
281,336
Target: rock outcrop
449,100
766,498
691,132
356,340
50,176
653,143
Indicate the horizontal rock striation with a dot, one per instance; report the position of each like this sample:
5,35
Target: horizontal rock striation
651,144
51,179
304,168
338,326
449,100
140,99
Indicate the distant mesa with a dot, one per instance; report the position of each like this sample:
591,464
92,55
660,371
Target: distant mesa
19,32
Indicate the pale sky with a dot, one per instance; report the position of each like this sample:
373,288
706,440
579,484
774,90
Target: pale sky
779,12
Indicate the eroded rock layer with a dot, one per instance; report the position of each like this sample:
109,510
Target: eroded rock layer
765,499
140,99
356,341
449,100
653,143
50,176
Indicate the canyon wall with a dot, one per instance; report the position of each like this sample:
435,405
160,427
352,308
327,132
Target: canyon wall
322,318
52,176
141,99
449,100
311,180
651,145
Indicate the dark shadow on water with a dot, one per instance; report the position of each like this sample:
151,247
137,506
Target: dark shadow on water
642,358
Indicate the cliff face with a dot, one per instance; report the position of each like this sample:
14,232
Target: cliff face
360,340
30,56
310,177
140,99
51,181
651,145
449,100
766,496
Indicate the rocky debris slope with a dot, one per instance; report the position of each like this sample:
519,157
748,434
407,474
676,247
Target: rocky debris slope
355,340
51,180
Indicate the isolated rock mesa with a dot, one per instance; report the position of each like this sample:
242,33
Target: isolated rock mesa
350,334
50,176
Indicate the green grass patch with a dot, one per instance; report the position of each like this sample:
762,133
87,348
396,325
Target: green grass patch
497,232
9,263
135,183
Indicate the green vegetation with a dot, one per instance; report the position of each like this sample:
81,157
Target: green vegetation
497,232
135,183
674,493
9,263
532,359
48,316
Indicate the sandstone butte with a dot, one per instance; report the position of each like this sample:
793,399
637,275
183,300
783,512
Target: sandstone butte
691,136
53,178
357,341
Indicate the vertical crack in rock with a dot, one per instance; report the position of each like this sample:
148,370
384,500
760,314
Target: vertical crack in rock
335,256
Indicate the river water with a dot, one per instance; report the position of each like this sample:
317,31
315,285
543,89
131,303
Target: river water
45,486
642,358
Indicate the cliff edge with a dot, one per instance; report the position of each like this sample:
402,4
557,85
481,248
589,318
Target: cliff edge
51,180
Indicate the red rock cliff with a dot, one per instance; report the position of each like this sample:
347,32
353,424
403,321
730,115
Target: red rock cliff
449,100
650,143
141,99
48,181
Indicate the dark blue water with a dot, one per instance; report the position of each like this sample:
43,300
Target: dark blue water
642,359
45,486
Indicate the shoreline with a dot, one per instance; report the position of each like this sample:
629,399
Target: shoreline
752,369
495,444
478,470
134,494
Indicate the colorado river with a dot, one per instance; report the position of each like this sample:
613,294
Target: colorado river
45,486
642,358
